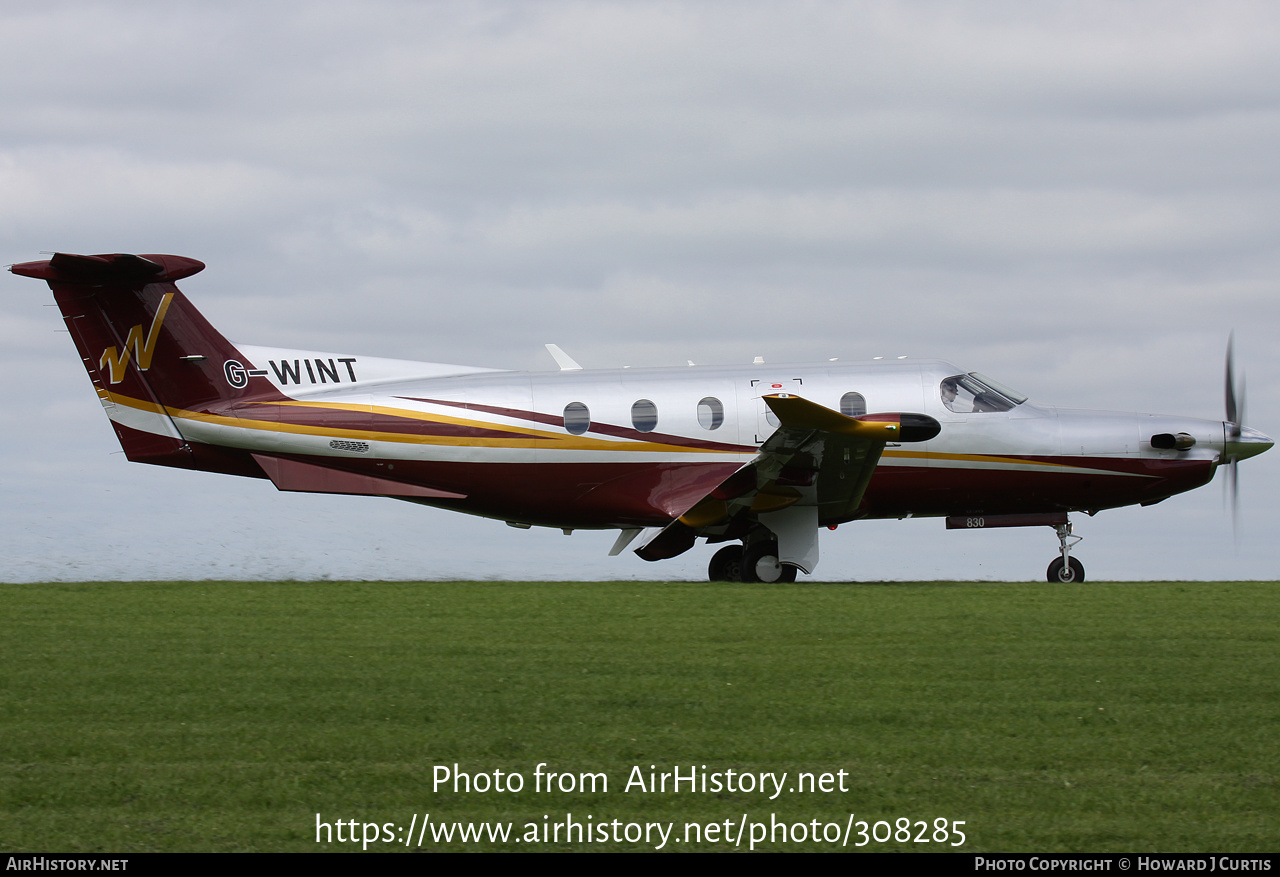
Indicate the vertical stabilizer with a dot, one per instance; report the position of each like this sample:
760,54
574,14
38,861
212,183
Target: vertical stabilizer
150,354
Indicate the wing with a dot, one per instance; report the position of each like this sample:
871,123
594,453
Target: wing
817,464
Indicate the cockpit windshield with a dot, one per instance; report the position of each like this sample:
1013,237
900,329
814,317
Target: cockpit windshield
976,393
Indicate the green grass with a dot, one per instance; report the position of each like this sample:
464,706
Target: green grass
225,716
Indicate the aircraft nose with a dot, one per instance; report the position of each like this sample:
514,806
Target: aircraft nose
1248,443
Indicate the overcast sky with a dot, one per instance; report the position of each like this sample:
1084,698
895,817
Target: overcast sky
1081,199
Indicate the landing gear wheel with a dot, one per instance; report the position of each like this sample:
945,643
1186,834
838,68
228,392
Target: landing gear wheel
760,564
1071,571
726,565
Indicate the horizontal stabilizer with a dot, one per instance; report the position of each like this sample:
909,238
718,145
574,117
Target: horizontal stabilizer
110,268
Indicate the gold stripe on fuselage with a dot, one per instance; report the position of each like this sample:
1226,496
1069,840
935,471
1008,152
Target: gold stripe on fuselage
541,439
548,440
986,461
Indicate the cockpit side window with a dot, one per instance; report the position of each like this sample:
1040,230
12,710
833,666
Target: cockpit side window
965,394
1012,395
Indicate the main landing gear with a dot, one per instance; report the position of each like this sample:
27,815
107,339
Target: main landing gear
726,565
754,562
1066,569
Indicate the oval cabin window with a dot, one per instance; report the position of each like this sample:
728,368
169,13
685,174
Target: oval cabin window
577,418
710,413
644,415
853,405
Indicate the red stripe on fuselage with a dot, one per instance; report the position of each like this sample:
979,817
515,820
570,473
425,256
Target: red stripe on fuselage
578,495
586,495
352,418
596,427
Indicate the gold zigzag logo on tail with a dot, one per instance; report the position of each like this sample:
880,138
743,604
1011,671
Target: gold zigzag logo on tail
142,349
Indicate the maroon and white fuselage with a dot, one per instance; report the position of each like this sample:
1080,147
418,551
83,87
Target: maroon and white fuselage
760,456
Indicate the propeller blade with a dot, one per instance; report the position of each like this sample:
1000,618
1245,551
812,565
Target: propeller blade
1241,400
1234,417
1235,402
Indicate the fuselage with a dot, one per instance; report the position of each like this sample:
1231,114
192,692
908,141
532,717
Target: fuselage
764,455
635,447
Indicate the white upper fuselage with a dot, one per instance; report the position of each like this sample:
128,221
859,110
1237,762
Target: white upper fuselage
610,394
478,432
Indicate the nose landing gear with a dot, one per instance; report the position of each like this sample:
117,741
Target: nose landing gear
1066,569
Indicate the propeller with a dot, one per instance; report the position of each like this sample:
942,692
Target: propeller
1235,417
1240,442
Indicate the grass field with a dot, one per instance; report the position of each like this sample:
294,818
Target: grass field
227,715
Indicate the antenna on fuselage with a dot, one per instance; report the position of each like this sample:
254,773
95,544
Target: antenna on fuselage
564,360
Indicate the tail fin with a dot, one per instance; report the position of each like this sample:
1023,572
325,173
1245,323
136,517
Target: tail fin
148,352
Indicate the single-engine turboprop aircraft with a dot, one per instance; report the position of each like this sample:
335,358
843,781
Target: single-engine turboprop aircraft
759,457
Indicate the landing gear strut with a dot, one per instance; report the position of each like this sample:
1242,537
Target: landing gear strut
1066,569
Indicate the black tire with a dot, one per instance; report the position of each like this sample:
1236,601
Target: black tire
765,554
726,565
1066,574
